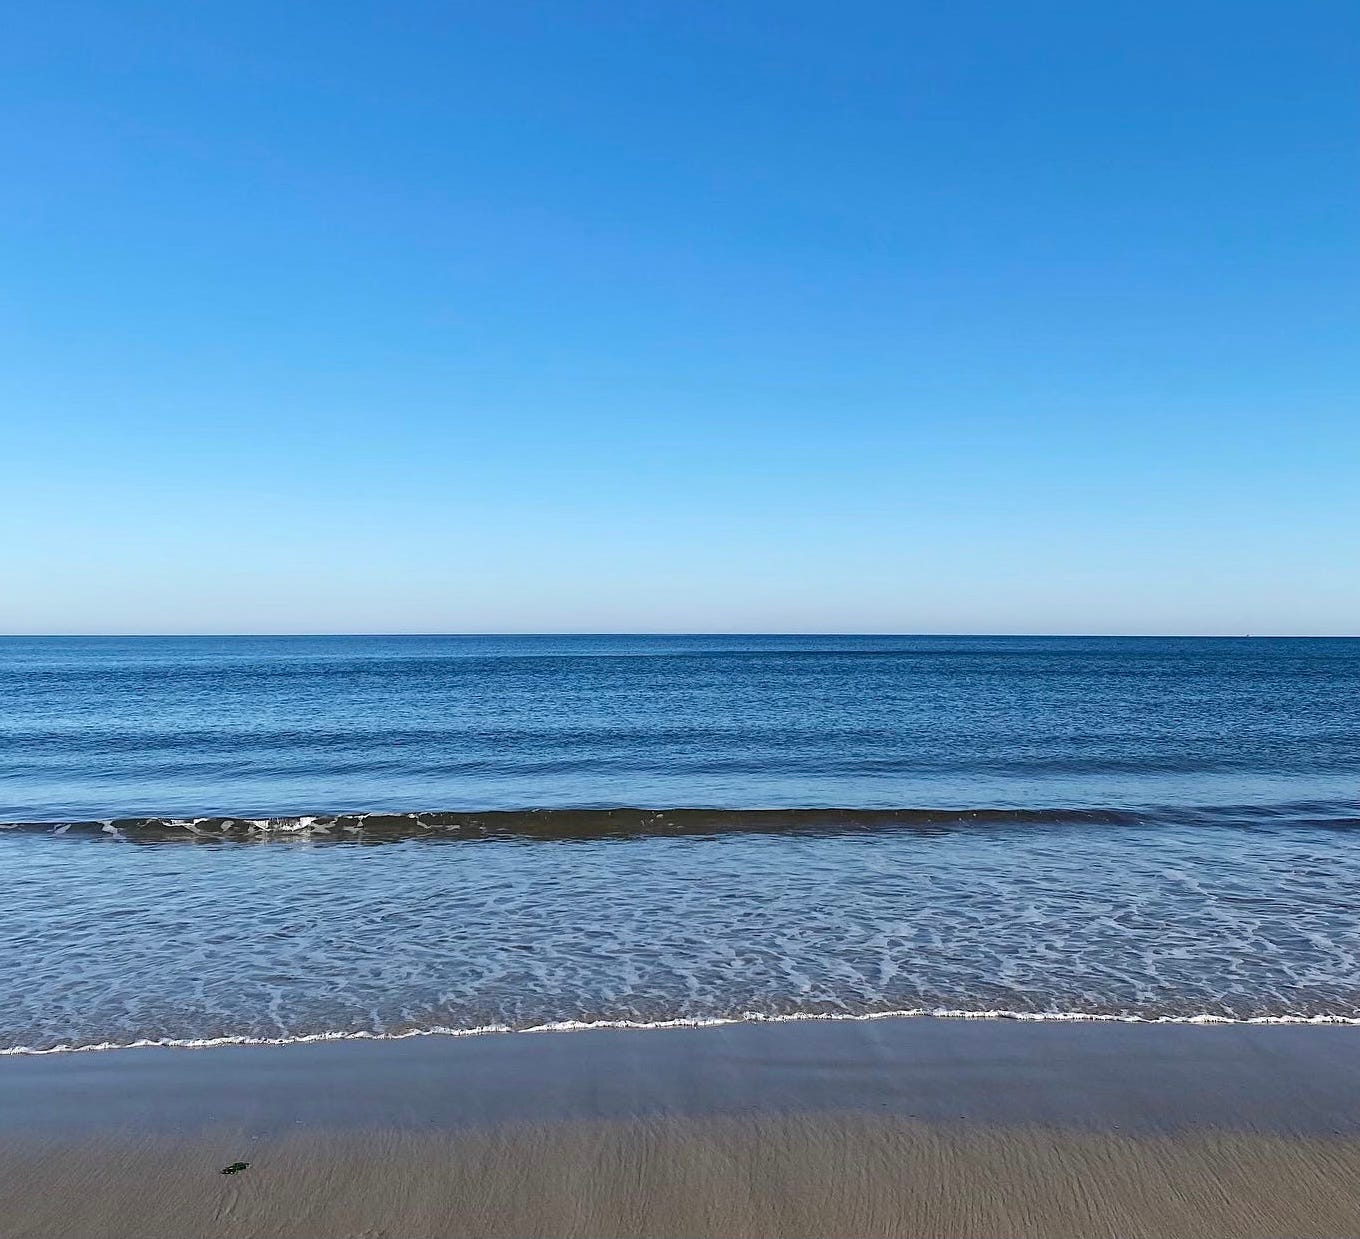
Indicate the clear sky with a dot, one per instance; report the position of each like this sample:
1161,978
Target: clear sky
680,316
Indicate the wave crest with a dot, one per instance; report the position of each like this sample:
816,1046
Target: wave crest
605,823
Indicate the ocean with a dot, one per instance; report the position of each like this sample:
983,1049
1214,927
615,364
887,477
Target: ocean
293,838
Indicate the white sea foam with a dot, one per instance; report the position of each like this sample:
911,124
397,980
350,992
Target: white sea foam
263,945
566,1026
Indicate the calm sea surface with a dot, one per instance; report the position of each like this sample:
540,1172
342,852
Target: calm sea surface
291,837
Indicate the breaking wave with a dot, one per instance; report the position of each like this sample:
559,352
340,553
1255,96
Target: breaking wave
603,823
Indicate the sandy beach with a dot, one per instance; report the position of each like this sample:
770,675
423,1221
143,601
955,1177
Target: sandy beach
895,1127
828,1174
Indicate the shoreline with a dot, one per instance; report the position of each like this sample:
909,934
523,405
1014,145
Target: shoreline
1205,1019
1284,1078
891,1127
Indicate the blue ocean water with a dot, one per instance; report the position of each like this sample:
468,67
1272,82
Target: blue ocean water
289,837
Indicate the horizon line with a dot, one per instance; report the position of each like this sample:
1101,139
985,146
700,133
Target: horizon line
584,633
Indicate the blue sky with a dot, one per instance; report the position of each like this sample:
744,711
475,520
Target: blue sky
906,317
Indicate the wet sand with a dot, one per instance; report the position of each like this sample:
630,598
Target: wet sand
899,1127
823,1174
